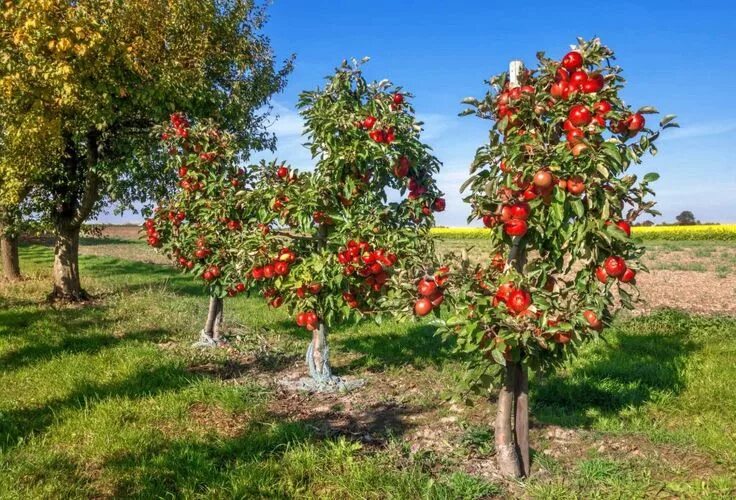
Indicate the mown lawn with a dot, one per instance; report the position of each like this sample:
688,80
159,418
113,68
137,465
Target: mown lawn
108,400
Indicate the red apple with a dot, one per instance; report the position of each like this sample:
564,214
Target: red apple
628,275
615,266
580,115
423,306
426,287
624,226
600,273
519,301
515,227
572,60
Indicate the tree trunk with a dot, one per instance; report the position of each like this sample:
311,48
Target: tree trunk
318,352
211,334
506,455
9,252
521,417
219,321
67,286
78,190
10,219
318,355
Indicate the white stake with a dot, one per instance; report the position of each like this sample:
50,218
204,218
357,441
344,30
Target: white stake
516,68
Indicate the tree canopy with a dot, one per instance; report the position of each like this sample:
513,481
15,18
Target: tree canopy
94,77
111,70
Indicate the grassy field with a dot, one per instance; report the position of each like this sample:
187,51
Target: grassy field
109,400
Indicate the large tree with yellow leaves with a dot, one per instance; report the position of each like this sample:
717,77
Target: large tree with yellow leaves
96,75
24,149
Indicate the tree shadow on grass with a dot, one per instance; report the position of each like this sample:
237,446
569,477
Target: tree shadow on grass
372,423
48,348
108,240
418,347
140,275
182,467
18,317
253,463
36,253
179,462
127,275
643,361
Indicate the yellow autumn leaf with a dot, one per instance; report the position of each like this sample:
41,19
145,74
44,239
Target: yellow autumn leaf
64,44
80,49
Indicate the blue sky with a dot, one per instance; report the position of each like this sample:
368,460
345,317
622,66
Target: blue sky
679,56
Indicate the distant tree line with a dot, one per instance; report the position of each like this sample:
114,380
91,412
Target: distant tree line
686,218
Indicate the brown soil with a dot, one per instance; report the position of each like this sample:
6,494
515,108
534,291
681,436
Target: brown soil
692,291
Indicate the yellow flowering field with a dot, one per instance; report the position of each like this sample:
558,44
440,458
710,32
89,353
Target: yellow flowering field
699,232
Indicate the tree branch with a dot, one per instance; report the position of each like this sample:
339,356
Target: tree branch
92,181
292,236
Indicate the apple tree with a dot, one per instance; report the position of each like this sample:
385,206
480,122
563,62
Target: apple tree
554,187
351,238
207,221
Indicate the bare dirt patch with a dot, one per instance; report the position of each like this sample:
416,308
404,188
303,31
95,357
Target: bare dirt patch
224,423
692,291
380,412
122,231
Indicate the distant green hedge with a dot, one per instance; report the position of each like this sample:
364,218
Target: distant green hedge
681,233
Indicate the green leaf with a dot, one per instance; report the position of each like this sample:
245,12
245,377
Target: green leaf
647,110
651,177
498,357
667,119
577,207
557,212
467,182
606,209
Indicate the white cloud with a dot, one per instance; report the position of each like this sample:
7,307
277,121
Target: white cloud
287,122
696,130
436,125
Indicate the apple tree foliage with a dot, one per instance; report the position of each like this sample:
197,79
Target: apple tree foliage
207,222
555,188
355,230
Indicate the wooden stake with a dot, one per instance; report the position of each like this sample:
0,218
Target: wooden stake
512,447
506,453
521,418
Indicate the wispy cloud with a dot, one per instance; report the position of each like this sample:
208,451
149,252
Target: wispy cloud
287,122
436,125
698,130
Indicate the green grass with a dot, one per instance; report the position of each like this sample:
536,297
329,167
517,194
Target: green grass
108,401
656,375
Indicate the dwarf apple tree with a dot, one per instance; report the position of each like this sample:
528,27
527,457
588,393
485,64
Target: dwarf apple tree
210,218
354,232
554,187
